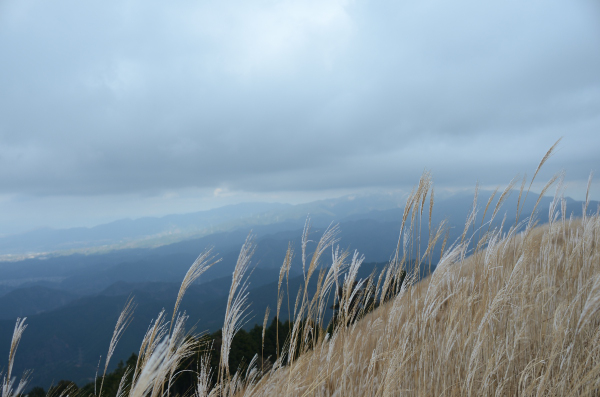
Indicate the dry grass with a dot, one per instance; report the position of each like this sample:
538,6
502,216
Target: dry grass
517,319
9,388
504,313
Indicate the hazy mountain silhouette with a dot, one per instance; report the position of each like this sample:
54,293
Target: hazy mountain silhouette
32,300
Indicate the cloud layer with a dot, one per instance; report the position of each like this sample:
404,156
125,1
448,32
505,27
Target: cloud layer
145,97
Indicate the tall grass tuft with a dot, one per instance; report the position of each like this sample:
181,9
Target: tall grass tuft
9,388
237,304
122,323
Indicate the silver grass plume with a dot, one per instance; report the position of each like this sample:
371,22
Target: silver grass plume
155,333
200,265
544,159
8,381
123,383
122,323
237,304
264,328
154,365
204,377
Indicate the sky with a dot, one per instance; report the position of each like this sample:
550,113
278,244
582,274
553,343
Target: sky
130,108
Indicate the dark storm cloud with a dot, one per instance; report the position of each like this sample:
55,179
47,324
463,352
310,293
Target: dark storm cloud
120,97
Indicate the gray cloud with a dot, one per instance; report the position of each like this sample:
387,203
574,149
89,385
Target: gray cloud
130,97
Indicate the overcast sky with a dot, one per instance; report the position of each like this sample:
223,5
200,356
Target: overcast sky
119,108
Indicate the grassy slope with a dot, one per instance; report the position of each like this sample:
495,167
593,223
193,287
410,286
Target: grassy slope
519,318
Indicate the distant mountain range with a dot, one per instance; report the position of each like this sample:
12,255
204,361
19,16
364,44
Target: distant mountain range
72,301
151,232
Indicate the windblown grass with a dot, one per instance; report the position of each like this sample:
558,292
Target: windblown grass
519,318
508,311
